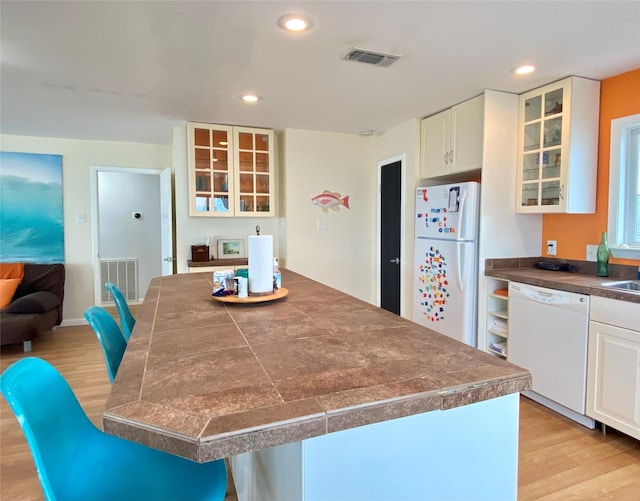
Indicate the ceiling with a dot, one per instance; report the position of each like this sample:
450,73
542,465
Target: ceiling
131,71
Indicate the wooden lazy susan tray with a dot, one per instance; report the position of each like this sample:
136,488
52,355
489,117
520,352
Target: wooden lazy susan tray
279,294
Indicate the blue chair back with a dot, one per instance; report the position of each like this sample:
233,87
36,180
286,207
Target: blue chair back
53,422
112,340
126,318
75,461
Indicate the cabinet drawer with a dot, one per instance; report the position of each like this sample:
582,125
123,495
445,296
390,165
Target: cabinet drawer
624,314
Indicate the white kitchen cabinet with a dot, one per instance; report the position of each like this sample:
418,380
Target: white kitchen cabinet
452,140
231,171
613,375
558,147
497,316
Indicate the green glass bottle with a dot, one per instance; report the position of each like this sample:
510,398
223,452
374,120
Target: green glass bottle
603,256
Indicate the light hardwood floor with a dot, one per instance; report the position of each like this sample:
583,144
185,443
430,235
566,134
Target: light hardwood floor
559,460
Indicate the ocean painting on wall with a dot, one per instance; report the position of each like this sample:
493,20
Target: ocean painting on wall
31,223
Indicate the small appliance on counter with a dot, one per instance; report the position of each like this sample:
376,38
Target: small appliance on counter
553,266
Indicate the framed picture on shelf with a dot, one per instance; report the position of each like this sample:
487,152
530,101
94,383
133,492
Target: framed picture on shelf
230,249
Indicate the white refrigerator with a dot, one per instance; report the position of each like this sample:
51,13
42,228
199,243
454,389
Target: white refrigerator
446,259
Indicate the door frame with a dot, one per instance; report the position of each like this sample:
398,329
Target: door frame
402,158
166,223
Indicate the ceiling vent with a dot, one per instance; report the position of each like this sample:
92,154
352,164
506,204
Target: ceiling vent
370,57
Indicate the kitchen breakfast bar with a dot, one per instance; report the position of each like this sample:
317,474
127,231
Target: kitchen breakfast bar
317,396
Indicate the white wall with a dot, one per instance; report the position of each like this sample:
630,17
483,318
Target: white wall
404,139
77,158
194,230
343,254
122,236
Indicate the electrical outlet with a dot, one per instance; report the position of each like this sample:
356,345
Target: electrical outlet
321,224
551,247
592,253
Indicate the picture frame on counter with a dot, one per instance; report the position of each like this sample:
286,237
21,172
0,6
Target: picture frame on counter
231,248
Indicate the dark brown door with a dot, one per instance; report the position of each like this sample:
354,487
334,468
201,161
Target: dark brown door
390,201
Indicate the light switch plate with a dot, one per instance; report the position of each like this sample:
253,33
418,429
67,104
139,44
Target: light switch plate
321,224
592,253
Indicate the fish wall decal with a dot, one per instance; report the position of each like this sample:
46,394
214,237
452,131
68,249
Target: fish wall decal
328,200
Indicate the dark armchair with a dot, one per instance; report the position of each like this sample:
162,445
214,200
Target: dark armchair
36,306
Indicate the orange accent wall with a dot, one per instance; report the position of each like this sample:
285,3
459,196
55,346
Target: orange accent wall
619,97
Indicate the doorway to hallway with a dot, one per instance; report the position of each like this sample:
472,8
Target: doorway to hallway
132,230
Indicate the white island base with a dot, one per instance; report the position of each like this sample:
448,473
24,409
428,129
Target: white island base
466,453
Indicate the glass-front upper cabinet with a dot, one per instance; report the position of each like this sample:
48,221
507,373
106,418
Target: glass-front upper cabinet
210,174
557,149
542,152
254,173
230,171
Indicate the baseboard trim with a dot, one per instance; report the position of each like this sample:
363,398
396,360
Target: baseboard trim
73,322
561,409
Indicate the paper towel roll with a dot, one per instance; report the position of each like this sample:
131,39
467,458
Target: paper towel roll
260,264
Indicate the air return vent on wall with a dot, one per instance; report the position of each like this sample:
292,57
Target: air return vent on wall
122,272
370,57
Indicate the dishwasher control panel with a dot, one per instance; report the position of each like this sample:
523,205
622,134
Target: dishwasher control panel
549,296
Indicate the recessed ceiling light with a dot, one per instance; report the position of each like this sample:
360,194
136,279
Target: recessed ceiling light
293,22
250,98
523,70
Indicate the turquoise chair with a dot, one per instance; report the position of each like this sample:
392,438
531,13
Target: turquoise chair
126,318
111,339
76,461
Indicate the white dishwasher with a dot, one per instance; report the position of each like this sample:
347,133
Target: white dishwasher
548,335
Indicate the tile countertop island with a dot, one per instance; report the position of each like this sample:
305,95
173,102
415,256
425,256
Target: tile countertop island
316,396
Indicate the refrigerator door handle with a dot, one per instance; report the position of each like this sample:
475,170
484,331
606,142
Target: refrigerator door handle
461,228
459,270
